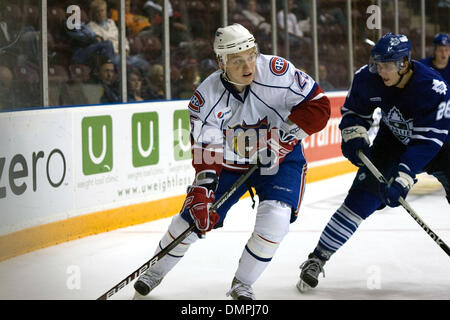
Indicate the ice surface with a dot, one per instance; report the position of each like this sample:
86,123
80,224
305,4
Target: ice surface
389,257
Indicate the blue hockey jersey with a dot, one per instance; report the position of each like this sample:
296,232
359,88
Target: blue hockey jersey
445,73
418,115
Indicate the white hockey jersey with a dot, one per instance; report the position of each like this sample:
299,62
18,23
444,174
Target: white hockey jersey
221,117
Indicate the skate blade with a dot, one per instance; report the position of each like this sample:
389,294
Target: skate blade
138,296
303,286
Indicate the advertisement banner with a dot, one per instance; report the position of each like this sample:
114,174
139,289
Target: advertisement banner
35,168
61,163
129,155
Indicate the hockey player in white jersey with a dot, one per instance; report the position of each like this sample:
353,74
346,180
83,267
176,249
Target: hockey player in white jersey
254,105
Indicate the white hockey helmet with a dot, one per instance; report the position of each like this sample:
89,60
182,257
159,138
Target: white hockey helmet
232,39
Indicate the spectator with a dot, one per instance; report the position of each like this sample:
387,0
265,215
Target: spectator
258,21
323,79
152,8
190,79
333,15
178,30
134,23
295,33
103,27
86,43
134,88
235,12
104,75
7,100
154,85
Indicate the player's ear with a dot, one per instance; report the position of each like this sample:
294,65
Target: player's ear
406,66
220,64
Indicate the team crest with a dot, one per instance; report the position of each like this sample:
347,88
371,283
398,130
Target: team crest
197,101
394,42
439,86
400,127
244,138
278,66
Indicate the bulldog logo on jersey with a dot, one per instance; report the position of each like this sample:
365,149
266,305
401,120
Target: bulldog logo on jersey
278,66
197,101
400,127
244,139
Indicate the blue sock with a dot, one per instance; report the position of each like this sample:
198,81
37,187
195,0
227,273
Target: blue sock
357,206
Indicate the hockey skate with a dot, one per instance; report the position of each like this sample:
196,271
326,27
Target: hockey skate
240,291
310,270
146,283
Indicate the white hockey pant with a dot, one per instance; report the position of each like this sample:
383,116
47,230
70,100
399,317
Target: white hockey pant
271,226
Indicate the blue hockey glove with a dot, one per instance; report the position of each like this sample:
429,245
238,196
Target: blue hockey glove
403,182
353,139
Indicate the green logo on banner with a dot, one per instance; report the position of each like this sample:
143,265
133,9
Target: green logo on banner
145,139
97,146
181,143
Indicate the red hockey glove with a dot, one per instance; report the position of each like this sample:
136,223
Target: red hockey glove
198,201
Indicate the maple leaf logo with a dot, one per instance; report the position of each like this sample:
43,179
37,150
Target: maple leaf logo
439,86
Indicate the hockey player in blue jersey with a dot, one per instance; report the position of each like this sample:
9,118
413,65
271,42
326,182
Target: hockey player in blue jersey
413,138
440,58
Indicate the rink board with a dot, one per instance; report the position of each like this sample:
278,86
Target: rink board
66,173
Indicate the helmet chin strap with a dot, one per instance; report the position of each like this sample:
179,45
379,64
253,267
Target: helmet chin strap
400,79
401,75
225,76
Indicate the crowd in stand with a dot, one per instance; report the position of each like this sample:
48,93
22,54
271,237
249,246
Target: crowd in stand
83,61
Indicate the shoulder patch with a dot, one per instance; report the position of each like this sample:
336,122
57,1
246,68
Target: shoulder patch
439,86
278,66
197,101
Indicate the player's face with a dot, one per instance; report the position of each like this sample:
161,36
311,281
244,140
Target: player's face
442,54
388,72
241,66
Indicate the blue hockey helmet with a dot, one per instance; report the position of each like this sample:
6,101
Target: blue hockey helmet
390,48
441,39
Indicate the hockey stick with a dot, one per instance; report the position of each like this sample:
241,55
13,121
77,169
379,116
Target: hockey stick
180,238
404,204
